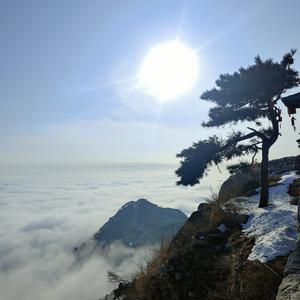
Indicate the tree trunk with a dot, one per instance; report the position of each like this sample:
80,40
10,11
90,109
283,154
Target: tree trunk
264,176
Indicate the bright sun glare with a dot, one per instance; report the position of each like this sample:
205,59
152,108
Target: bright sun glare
169,70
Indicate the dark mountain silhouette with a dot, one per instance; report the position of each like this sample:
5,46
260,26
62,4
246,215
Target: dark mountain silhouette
140,222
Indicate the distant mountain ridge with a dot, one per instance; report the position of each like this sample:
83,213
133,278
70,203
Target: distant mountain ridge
141,222
137,223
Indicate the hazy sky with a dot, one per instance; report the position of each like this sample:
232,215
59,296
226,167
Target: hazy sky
68,73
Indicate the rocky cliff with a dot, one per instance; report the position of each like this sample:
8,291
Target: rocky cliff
290,286
230,249
207,259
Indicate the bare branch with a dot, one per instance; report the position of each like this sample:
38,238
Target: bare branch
253,157
115,278
258,133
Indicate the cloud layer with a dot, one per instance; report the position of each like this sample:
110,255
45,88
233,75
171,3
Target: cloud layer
46,212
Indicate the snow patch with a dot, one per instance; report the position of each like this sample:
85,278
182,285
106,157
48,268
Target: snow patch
222,228
274,227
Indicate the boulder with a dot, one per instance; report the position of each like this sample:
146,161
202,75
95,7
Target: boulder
294,200
284,164
294,188
240,184
185,237
244,183
202,207
293,264
298,213
289,288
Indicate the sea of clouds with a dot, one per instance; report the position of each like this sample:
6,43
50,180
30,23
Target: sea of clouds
47,211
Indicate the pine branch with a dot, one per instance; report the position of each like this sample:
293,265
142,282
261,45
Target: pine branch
250,94
242,138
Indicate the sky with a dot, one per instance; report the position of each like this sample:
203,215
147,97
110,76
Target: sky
68,69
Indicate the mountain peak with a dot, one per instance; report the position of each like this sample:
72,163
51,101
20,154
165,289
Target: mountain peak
140,222
144,201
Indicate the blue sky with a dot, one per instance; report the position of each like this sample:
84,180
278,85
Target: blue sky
68,69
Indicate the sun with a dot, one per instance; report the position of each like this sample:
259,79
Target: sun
169,70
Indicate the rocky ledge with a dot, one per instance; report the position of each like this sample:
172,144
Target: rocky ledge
290,286
230,248
243,183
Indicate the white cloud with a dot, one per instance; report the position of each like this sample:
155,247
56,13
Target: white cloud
46,212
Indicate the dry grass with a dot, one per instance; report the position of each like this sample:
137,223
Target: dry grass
207,271
116,278
135,289
148,270
273,180
252,280
258,280
219,213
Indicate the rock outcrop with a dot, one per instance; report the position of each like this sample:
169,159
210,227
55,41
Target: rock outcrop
294,188
186,235
289,289
285,164
207,259
209,256
293,264
243,183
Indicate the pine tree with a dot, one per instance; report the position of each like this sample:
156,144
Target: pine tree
251,94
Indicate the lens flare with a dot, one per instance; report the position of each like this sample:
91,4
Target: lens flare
169,71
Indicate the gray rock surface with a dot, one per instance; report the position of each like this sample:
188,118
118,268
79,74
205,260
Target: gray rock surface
243,183
284,164
239,185
293,264
294,188
298,213
295,200
289,288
